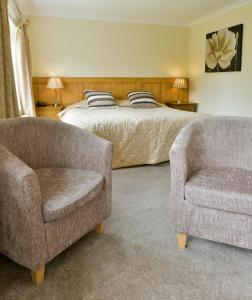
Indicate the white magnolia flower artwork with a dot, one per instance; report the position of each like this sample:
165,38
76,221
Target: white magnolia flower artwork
223,50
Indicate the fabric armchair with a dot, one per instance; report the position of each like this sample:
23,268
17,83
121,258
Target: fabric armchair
55,185
211,176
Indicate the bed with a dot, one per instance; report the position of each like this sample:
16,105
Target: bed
139,136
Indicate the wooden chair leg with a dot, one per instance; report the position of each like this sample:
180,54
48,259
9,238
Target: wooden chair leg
38,276
99,228
181,238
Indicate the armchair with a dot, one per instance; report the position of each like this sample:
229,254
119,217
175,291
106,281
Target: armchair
211,181
55,186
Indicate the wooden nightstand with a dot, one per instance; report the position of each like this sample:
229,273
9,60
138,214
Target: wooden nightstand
48,111
183,106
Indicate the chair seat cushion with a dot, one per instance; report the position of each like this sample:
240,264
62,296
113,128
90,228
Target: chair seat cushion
64,190
227,189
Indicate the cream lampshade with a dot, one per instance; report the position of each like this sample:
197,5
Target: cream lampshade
55,83
180,84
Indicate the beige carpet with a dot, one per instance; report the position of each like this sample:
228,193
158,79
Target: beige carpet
137,258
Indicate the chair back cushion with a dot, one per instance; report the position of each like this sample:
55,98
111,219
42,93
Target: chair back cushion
37,141
222,142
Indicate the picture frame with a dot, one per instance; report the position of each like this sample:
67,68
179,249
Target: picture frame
224,50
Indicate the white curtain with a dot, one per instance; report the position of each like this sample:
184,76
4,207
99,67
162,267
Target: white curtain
23,71
13,12
22,61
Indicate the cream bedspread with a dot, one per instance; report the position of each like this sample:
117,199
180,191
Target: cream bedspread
139,136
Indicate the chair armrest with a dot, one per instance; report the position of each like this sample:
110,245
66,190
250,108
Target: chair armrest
184,159
21,222
94,153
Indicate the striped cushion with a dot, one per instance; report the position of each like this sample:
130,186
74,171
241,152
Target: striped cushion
142,99
100,99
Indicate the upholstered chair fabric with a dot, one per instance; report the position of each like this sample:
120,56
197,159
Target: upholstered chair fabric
211,169
55,186
64,190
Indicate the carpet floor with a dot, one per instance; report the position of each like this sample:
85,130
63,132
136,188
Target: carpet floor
137,257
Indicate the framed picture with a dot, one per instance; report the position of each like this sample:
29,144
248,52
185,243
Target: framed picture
224,50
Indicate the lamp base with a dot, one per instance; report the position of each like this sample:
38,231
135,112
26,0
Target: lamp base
56,103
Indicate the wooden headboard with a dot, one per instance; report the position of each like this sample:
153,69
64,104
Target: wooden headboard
119,86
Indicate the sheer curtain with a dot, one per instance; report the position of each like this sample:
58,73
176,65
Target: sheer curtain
22,62
8,98
23,71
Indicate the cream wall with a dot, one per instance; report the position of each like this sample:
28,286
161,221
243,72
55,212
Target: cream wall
67,47
222,93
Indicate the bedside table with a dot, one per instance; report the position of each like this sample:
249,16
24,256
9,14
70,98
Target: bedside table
192,106
48,111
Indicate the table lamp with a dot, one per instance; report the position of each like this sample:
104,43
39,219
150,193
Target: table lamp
55,83
180,84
